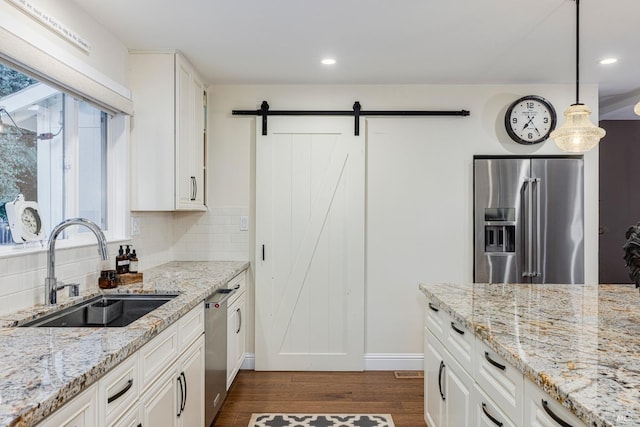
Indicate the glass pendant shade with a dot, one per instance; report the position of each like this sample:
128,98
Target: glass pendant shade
577,134
636,109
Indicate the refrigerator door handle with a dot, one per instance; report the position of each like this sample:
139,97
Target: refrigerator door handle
527,226
538,255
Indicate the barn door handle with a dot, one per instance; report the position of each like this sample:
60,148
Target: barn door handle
263,252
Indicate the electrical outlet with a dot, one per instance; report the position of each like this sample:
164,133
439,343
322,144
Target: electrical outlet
244,223
135,226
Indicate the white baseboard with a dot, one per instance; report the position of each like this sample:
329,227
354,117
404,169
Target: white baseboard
249,361
393,361
372,361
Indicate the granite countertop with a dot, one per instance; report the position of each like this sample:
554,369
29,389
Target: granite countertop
43,368
580,343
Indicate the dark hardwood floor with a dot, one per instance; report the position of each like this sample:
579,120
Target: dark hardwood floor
323,392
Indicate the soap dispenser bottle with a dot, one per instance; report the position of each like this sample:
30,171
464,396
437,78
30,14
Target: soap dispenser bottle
133,262
122,262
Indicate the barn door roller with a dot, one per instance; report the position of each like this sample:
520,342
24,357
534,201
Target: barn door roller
356,112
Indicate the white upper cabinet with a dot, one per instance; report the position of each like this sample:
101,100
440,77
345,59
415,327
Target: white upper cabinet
167,133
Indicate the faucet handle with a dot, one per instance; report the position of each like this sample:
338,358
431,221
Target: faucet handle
74,289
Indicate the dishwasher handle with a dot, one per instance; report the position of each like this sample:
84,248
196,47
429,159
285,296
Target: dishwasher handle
218,298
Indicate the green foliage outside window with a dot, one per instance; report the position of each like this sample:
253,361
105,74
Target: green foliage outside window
18,155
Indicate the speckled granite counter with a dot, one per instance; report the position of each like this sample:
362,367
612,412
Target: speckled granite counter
580,343
42,368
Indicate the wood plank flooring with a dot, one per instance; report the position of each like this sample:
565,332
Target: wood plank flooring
323,392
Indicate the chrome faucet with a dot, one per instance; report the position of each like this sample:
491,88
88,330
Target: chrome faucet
51,285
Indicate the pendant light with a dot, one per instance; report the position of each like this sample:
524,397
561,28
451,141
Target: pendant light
577,134
636,109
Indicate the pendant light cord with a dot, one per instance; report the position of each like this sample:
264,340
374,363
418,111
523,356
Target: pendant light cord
577,52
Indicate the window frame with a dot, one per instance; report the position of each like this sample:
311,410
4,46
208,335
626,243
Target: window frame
117,181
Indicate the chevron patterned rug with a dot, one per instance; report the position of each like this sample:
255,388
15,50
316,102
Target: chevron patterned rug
321,420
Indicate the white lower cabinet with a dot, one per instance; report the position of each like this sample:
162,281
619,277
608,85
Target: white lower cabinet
236,327
487,413
162,384
79,412
540,410
191,370
448,387
499,380
466,383
236,336
131,418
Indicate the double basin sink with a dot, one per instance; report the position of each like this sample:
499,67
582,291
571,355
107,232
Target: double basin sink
103,311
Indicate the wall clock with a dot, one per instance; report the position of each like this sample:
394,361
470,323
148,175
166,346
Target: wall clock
530,119
24,220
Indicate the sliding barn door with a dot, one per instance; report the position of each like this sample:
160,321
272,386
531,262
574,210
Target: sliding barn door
310,245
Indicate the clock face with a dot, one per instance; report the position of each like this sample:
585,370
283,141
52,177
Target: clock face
31,220
530,120
24,220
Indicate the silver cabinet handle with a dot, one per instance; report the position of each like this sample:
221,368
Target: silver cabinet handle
194,188
538,267
433,307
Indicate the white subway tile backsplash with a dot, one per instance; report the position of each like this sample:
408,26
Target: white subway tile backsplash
216,236
164,236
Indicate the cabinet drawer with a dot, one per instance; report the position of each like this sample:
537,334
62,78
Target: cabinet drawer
157,354
434,320
119,389
191,326
460,342
238,283
500,380
79,412
540,409
488,413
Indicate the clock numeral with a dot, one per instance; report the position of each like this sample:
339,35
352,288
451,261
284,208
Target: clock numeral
545,120
530,135
514,121
530,104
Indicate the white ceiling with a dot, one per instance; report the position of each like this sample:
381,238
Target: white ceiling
392,41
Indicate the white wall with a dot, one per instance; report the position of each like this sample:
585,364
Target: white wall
419,183
22,271
108,60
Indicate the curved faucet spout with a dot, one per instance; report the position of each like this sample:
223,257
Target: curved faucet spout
51,283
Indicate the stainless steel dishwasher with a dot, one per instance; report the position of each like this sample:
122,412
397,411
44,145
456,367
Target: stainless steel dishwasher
215,365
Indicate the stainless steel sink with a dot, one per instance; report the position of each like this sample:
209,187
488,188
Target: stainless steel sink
103,311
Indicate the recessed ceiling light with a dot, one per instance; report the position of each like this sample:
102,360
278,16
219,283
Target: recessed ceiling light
607,61
328,61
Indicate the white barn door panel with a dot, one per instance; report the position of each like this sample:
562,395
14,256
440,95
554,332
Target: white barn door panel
310,220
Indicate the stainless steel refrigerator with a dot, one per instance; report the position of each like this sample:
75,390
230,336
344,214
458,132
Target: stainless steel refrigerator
528,220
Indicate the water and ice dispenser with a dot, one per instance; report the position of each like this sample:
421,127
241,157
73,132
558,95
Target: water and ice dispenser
499,230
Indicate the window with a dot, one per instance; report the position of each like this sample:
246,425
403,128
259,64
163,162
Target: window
53,150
